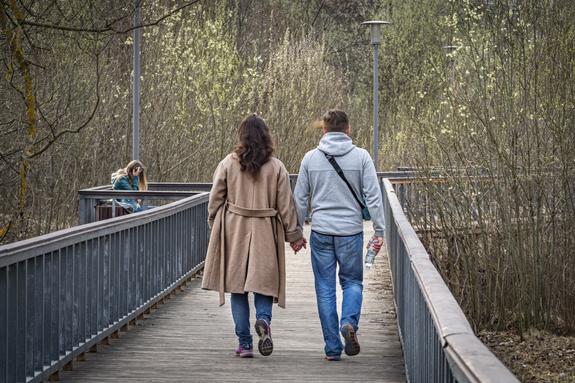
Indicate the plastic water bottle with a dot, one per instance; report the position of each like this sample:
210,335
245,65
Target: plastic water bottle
370,255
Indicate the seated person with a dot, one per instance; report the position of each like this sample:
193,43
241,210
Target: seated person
132,177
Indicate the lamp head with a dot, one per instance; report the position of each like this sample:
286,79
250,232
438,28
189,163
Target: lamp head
375,30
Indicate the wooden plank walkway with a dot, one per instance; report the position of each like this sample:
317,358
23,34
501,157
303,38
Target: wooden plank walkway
191,339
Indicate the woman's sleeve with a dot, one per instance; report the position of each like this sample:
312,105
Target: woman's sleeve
286,207
218,193
136,183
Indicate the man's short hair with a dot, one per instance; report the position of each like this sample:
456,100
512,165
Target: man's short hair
335,120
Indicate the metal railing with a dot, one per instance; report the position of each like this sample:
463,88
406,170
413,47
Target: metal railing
63,293
156,191
438,343
89,198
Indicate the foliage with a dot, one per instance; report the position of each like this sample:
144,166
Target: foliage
500,126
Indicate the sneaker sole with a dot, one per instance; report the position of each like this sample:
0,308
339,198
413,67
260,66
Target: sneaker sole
265,345
351,342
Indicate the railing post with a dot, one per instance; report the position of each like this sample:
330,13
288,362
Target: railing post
83,210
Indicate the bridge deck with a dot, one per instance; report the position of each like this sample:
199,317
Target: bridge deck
191,339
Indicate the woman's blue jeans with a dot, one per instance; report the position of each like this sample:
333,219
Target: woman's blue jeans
241,314
327,252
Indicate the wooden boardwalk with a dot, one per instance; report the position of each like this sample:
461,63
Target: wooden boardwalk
191,339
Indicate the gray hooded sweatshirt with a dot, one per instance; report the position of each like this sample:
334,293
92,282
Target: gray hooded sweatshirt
334,210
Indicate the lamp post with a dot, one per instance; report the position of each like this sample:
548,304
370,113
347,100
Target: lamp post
136,84
375,26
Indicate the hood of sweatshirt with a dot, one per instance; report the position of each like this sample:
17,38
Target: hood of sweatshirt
336,144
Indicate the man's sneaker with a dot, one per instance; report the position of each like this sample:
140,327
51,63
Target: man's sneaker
332,358
244,352
265,345
351,342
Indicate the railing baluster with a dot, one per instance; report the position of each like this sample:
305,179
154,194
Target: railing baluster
123,270
128,269
12,320
60,302
69,291
31,315
81,291
146,261
100,285
21,321
3,323
106,304
95,287
75,281
140,263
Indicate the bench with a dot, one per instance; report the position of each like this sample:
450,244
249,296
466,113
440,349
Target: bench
104,210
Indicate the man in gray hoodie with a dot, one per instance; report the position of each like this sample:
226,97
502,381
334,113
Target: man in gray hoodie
337,227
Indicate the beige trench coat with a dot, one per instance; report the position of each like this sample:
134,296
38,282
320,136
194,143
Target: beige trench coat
250,219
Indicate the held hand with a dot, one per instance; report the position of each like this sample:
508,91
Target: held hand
298,245
295,247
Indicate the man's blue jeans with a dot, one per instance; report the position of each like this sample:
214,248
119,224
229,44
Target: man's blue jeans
328,251
241,314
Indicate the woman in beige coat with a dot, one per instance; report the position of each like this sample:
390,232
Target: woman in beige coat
251,213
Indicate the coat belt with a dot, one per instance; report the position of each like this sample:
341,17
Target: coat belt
254,213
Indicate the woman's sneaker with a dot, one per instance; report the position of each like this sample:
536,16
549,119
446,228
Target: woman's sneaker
245,352
351,342
265,345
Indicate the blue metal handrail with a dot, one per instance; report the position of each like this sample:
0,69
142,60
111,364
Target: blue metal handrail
63,293
438,343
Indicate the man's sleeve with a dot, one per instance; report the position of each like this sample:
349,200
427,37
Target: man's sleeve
372,195
302,192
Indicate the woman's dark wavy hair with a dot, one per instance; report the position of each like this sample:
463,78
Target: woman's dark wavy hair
255,145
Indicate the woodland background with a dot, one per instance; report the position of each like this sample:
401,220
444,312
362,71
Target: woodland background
494,113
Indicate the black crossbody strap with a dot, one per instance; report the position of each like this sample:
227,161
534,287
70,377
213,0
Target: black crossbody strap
335,165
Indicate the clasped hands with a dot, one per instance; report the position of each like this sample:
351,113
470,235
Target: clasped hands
298,245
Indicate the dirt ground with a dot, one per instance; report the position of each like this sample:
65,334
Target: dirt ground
540,358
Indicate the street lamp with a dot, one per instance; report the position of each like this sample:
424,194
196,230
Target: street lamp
375,26
136,84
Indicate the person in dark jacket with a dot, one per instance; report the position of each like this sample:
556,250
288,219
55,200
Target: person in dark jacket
132,177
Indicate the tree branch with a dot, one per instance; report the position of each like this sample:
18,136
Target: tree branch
318,12
110,26
82,126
